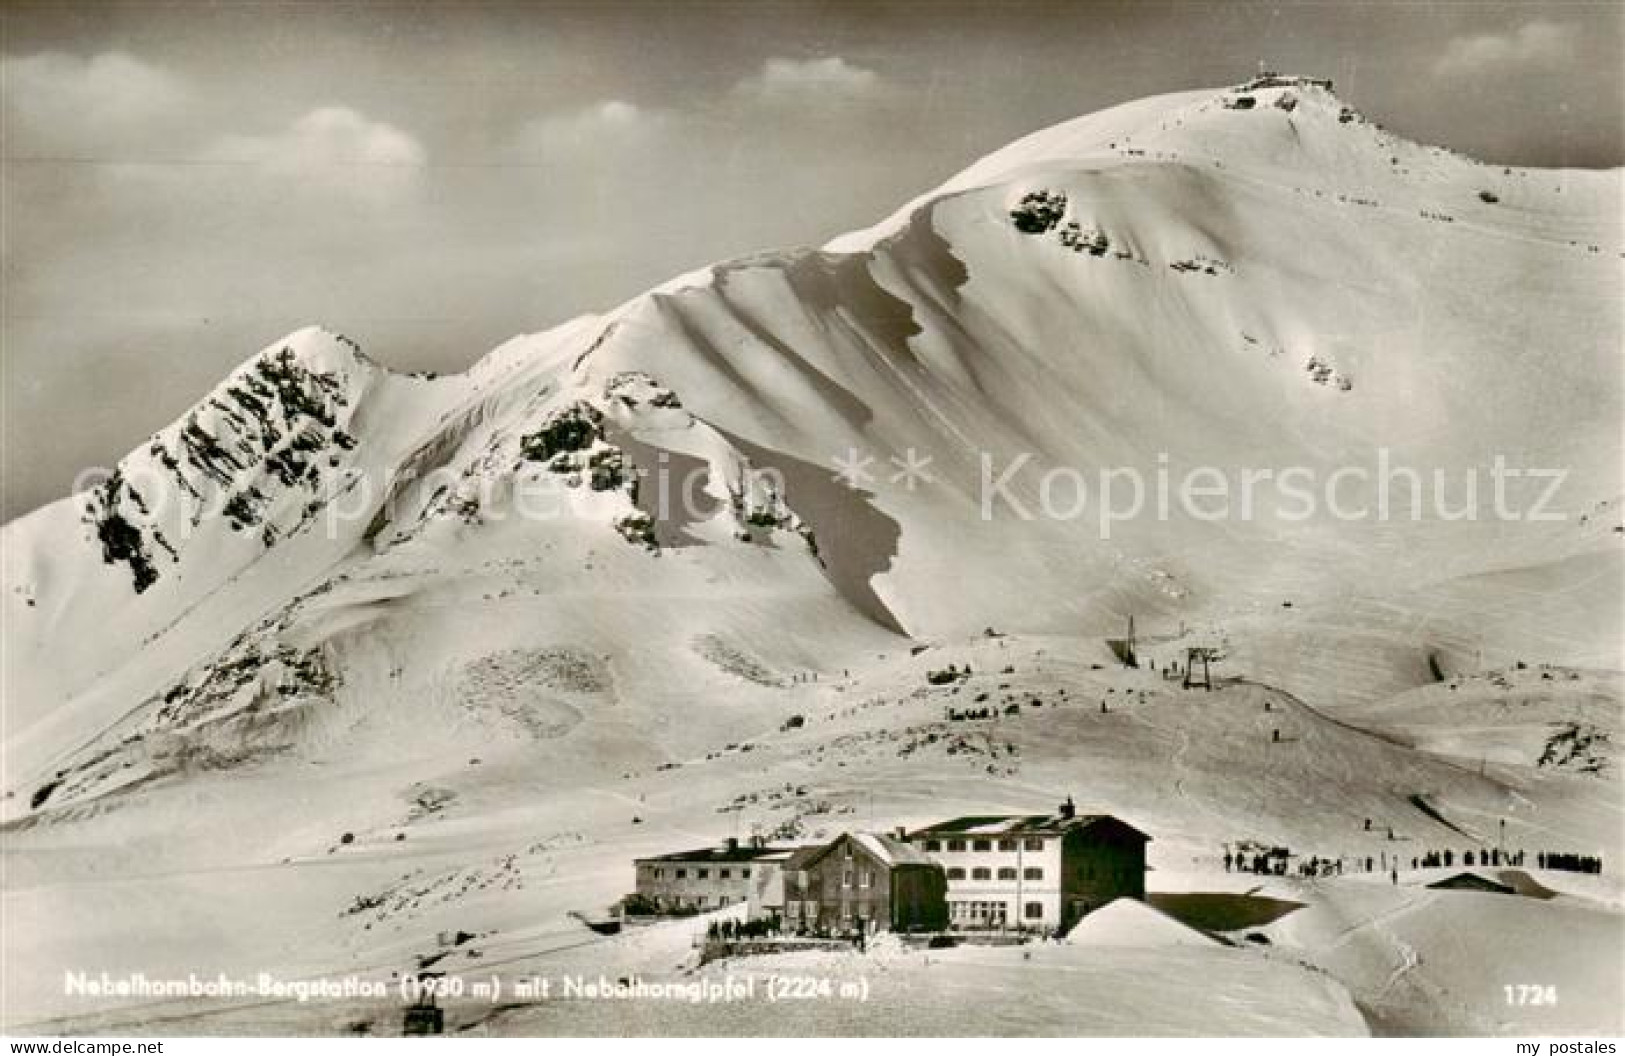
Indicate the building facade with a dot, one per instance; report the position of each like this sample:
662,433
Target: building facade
861,883
1034,872
715,877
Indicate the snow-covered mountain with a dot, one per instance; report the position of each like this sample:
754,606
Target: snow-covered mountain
326,562
1256,277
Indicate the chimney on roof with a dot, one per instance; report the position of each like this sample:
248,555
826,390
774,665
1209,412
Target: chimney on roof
733,843
1067,809
902,834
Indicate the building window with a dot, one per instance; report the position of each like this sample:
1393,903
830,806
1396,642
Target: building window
956,845
660,874
846,878
981,872
1007,845
981,845
682,873
723,874
1007,873
933,845
1033,843
867,878
1032,872
1034,911
984,914
703,874
956,873
701,901
745,874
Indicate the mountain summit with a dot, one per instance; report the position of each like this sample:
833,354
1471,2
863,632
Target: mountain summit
913,525
801,458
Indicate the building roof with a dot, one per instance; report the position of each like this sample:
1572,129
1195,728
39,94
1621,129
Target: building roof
994,825
983,825
888,850
804,856
728,852
1473,882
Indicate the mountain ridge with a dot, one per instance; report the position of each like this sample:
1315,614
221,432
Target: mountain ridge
840,538
1061,300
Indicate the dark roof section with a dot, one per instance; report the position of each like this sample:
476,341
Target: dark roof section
725,853
1472,882
982,824
997,825
804,857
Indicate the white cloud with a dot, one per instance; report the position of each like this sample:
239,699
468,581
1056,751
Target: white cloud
333,148
54,101
330,135
605,124
1534,44
831,79
614,112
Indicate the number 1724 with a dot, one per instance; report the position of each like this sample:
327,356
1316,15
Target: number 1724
1530,994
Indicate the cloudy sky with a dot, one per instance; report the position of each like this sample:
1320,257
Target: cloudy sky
185,182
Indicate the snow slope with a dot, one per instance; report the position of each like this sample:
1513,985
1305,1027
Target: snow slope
1127,922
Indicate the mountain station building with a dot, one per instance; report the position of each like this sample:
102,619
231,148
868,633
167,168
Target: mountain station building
1039,872
862,883
714,878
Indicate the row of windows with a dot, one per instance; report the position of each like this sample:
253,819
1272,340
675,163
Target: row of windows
700,874
1031,843
992,912
695,902
796,910
982,872
850,877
